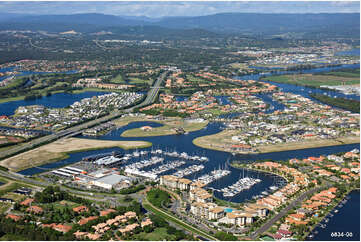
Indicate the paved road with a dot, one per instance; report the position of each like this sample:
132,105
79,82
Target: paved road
283,212
151,96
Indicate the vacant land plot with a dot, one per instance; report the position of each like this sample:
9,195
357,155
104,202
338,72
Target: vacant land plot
314,80
58,150
169,128
222,142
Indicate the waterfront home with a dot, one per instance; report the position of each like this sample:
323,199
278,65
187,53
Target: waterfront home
216,213
169,181
184,184
260,209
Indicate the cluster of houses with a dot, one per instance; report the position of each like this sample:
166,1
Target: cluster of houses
99,129
301,120
345,167
40,117
120,222
97,83
125,223
27,134
300,55
203,102
53,66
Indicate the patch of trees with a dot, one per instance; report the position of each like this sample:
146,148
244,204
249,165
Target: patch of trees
31,231
132,189
53,194
351,105
158,198
224,236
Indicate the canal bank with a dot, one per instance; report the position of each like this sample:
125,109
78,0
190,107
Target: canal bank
343,221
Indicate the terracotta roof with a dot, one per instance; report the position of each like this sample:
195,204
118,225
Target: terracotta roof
86,220
106,212
34,209
27,201
14,217
80,209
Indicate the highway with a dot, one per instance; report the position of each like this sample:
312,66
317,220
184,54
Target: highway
72,131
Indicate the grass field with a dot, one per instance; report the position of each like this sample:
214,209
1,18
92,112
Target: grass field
167,129
8,187
157,235
13,237
117,79
314,80
59,150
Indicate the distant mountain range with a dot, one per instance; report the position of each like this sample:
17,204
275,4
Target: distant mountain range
234,23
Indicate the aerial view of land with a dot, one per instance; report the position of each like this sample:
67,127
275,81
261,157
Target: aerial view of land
180,121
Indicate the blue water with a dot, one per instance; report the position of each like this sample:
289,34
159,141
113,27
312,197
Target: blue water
223,100
353,52
25,73
218,159
274,105
228,210
347,220
305,91
58,100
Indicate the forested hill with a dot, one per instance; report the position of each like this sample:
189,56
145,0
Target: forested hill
341,24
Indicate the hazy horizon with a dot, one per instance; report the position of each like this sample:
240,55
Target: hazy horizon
176,8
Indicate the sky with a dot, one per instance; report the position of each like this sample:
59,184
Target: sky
157,9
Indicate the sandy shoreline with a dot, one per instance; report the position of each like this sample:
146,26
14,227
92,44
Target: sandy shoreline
60,149
216,142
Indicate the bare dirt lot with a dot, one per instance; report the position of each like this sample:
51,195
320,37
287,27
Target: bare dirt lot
58,150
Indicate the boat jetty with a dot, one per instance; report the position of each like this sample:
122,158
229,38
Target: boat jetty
214,175
188,170
167,167
242,184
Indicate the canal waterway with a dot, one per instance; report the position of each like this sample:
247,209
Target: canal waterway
345,222
352,52
217,159
57,100
305,91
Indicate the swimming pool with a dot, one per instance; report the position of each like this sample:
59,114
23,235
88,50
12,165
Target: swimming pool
228,210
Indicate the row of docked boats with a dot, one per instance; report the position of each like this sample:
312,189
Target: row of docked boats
214,175
242,184
188,170
182,155
144,163
167,167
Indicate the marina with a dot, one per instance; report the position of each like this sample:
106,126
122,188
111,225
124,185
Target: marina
188,171
213,176
242,184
